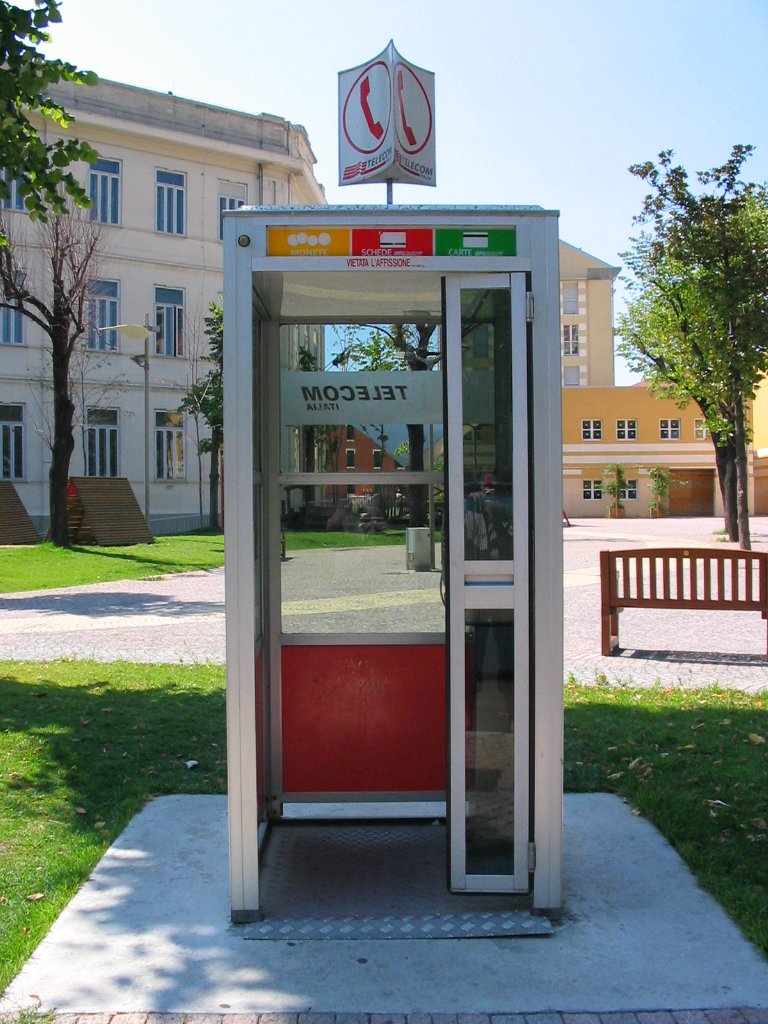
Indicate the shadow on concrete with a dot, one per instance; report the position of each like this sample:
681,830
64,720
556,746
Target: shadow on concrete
107,603
697,657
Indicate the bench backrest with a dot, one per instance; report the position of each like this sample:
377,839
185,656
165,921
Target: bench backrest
685,578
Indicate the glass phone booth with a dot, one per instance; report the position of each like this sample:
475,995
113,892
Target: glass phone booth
393,535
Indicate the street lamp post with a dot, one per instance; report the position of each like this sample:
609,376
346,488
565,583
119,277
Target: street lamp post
145,332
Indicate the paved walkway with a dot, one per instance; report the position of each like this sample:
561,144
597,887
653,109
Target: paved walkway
180,619
737,1016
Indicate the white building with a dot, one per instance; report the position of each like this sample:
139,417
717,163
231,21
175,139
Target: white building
167,169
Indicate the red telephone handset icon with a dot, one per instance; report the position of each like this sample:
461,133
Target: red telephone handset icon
406,127
374,127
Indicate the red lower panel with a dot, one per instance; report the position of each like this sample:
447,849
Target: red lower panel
363,719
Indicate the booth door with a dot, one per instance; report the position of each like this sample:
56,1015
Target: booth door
488,628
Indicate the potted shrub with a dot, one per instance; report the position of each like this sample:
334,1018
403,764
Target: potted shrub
615,485
659,481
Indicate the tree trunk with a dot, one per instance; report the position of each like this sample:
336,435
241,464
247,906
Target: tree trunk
742,483
417,361
213,499
417,494
725,460
63,438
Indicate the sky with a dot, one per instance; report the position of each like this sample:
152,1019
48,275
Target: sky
546,102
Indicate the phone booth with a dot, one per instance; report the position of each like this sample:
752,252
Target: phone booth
393,535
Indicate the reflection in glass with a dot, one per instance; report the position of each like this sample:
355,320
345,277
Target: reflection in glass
345,567
355,410
358,447
487,418
489,742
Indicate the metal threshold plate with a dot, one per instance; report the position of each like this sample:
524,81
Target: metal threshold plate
374,880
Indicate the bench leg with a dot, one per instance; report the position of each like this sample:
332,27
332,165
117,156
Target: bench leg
610,632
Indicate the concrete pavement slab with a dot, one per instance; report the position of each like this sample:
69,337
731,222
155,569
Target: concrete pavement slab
150,932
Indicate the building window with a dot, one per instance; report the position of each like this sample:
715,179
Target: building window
571,376
14,200
11,327
11,442
232,196
169,445
669,430
571,298
169,322
350,432
626,430
592,490
377,455
171,186
591,430
570,339
700,432
629,491
350,458
101,443
104,191
105,309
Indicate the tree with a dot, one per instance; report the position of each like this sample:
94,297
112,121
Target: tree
71,246
659,483
38,167
88,390
206,398
696,323
615,485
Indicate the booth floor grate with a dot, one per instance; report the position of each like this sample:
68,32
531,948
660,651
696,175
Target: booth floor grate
382,880
504,924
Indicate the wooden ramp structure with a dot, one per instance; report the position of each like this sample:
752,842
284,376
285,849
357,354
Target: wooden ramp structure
104,511
15,525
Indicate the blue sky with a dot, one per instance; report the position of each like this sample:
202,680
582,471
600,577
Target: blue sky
544,102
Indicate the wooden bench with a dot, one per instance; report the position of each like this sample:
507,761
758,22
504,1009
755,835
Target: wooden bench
698,578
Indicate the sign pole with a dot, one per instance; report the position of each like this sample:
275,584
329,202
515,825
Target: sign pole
390,191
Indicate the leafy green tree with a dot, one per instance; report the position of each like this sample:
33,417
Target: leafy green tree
38,167
696,323
206,398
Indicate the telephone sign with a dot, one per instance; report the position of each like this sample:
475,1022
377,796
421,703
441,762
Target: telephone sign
387,122
367,109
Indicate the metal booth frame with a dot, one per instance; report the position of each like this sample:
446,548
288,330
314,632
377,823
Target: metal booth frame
258,279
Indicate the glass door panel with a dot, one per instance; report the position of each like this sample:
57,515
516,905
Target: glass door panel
488,580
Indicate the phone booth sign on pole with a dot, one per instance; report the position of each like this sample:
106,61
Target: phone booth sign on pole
387,122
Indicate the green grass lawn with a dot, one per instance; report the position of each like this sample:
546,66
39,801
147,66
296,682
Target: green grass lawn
302,540
695,763
44,566
84,745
